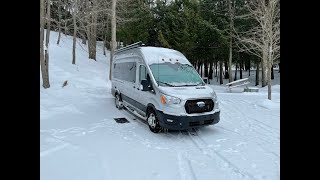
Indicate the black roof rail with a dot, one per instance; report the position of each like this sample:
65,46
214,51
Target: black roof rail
131,46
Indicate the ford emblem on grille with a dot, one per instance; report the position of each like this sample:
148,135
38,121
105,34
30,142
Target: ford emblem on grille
201,104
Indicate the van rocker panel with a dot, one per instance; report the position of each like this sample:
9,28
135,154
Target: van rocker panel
186,122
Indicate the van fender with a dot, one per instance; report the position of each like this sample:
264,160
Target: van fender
153,103
150,106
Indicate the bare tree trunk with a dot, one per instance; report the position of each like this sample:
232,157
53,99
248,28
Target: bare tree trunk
113,33
104,45
43,63
83,37
59,24
89,39
245,66
201,69
88,30
65,24
272,73
269,77
46,57
210,70
226,70
217,71
91,46
107,30
198,62
42,7
216,68
94,34
241,66
264,68
235,73
74,35
221,70
230,43
257,74
206,73
48,23
92,31
249,66
65,27
262,74
196,66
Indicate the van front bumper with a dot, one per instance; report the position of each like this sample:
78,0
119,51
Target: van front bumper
186,122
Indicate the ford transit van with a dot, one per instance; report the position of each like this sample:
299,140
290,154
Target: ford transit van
161,86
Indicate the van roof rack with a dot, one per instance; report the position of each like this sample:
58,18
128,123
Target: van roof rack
131,46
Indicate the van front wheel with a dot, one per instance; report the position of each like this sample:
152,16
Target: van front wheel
153,121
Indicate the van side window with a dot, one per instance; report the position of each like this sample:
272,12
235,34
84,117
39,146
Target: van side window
142,73
125,71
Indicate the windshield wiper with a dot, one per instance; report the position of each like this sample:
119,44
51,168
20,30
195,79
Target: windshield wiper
191,85
166,84
187,85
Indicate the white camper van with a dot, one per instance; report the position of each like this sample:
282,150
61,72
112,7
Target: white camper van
161,86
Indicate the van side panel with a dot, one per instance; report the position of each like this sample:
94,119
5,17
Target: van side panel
128,84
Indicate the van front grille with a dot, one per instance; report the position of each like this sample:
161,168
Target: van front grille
199,106
198,123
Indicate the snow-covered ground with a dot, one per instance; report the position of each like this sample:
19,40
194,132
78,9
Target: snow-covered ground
79,139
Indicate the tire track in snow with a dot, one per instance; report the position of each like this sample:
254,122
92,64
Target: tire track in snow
185,169
52,150
254,138
248,137
233,106
62,144
202,146
229,130
244,104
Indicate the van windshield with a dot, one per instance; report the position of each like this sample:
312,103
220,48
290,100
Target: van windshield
175,75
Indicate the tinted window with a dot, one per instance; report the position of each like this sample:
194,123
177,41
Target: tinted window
125,71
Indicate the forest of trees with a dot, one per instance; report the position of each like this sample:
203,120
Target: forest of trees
214,34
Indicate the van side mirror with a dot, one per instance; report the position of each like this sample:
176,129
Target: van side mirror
145,85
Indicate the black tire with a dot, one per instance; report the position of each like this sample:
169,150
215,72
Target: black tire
118,101
153,121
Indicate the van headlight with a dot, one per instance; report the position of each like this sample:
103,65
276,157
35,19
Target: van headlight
214,96
165,99
215,99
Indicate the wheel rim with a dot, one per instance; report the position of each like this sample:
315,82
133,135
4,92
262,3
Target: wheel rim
152,120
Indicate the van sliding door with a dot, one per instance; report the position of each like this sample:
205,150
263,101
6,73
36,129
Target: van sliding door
128,74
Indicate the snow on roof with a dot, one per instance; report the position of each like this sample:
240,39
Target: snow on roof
160,55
